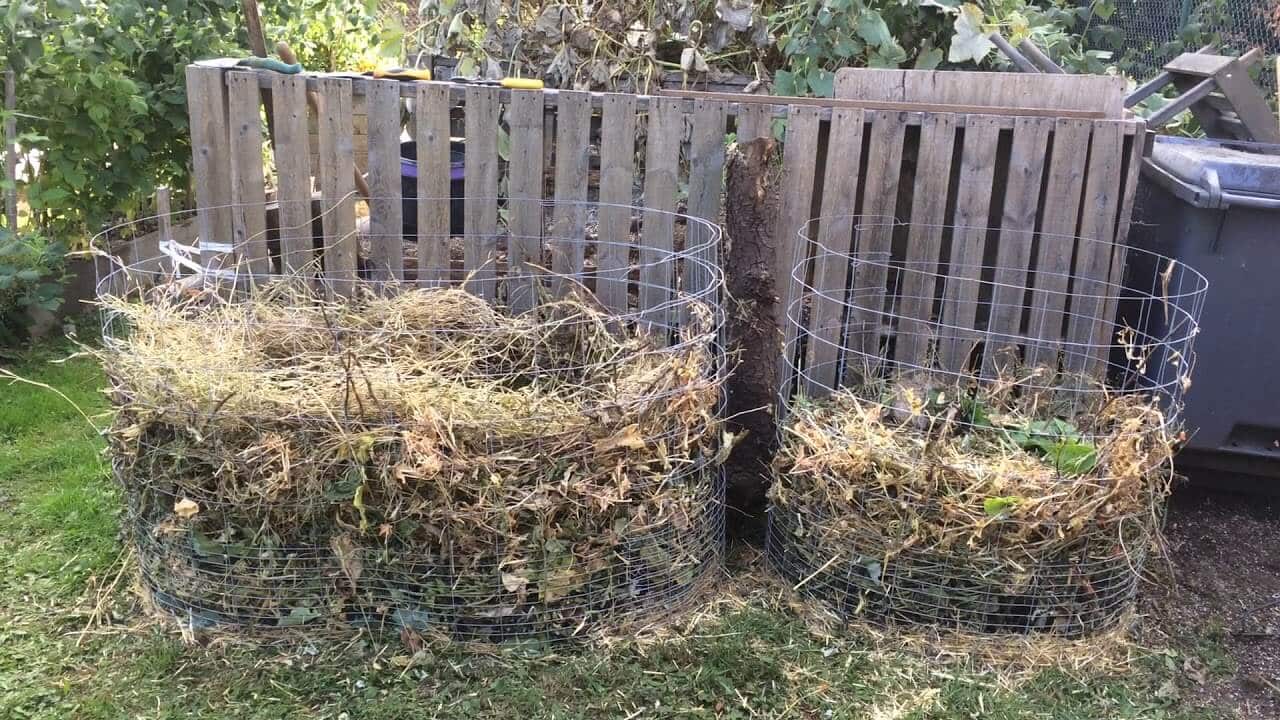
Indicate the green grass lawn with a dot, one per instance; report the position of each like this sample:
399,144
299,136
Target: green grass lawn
74,642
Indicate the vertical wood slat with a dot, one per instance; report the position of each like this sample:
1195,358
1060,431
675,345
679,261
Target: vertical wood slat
431,135
480,253
211,164
800,153
874,236
573,157
835,234
11,152
924,239
1057,238
706,184
337,185
662,160
1017,228
1120,249
164,233
617,170
969,239
386,214
248,184
1097,230
290,148
754,120
525,189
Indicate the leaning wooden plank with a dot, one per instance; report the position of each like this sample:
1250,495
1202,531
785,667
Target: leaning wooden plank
386,214
211,164
834,236
1091,93
480,254
617,170
293,172
525,190
706,184
851,99
1057,239
924,239
1017,229
874,232
248,185
573,158
431,135
1097,231
661,165
968,241
337,186
800,153
1120,248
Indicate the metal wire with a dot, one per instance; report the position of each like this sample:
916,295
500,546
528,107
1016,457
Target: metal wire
529,525
1056,335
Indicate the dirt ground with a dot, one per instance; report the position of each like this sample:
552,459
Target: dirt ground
1225,550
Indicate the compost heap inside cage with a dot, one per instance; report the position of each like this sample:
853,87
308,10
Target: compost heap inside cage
1021,503
415,459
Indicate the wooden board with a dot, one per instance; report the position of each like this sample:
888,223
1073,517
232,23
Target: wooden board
1091,270
293,173
924,238
706,185
662,164
835,235
525,190
754,121
1017,232
337,187
968,241
431,133
573,158
248,184
386,216
480,252
617,171
1092,93
800,153
1137,149
211,164
1061,209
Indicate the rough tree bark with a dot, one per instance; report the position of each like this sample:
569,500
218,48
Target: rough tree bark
755,340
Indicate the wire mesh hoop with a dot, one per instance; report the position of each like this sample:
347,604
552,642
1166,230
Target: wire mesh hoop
514,440
980,425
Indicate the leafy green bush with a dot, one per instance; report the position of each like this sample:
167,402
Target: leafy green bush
31,270
333,35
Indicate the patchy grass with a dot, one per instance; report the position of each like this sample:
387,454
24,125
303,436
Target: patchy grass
74,643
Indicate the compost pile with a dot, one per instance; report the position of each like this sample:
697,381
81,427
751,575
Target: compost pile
1012,504
414,459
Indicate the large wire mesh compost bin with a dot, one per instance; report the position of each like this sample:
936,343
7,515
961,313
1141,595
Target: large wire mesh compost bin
526,449
980,439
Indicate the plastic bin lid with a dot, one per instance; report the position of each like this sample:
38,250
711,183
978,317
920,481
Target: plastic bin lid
1241,167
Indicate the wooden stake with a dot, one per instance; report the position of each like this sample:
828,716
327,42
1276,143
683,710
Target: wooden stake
11,152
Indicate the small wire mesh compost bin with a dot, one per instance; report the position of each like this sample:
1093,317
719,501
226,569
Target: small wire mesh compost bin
978,437
306,436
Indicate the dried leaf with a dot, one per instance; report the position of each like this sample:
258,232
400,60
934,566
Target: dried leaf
186,508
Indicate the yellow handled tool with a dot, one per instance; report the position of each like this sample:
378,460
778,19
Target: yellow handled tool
402,74
511,83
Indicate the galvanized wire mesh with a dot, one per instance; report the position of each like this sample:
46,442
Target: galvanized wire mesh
986,445
1153,32
313,450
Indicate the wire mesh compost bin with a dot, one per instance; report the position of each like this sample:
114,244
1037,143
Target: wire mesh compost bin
499,453
978,439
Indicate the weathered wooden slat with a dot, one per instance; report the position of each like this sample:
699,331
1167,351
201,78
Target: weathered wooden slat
248,184
706,184
924,239
968,240
431,134
799,156
337,186
754,121
661,165
481,182
1090,93
1119,251
874,235
386,216
211,164
164,233
1017,229
617,170
293,172
1057,238
10,152
1102,196
835,235
573,158
738,101
525,190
